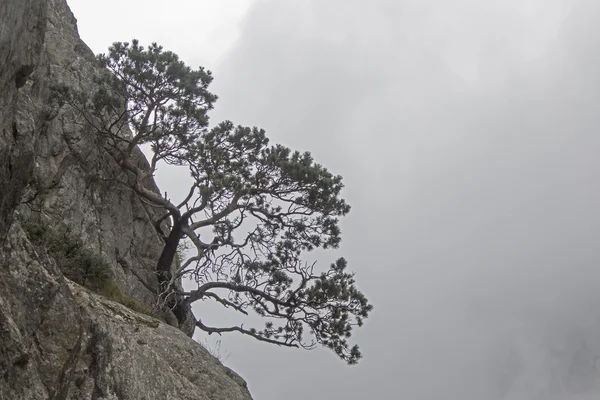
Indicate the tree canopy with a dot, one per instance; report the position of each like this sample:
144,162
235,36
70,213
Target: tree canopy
253,211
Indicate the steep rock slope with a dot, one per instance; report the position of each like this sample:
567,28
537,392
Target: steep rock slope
72,183
58,340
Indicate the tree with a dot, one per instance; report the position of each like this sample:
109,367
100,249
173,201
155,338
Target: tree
261,206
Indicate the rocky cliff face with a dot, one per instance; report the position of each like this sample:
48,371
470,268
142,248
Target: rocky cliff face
22,32
58,340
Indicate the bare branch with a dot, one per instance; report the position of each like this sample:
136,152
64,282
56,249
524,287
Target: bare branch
240,329
226,303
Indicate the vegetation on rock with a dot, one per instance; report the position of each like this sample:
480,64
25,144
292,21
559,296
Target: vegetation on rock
79,264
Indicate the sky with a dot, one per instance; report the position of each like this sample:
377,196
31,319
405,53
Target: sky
467,135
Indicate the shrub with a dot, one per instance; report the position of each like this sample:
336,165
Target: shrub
79,264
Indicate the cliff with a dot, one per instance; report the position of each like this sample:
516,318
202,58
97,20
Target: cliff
60,340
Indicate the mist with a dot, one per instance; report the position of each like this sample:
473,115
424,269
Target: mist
467,135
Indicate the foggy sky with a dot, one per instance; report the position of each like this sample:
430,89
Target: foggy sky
467,134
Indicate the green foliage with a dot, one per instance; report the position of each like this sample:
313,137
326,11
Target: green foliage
157,84
294,205
79,264
149,91
296,201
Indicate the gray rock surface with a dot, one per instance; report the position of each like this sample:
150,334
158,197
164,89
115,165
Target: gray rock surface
58,340
22,32
77,178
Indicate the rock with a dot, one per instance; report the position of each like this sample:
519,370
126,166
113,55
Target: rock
61,341
174,366
76,176
22,32
65,178
57,339
40,324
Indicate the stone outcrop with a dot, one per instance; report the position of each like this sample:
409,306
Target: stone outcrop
60,341
57,339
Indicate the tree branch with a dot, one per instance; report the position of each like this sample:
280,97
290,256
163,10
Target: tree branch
226,303
240,329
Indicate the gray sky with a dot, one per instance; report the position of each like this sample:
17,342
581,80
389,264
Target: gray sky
467,133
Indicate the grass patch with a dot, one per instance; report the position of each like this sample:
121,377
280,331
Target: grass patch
113,292
81,265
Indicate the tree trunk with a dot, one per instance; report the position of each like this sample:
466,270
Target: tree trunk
165,261
176,303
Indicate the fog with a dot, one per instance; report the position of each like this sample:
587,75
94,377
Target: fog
467,134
